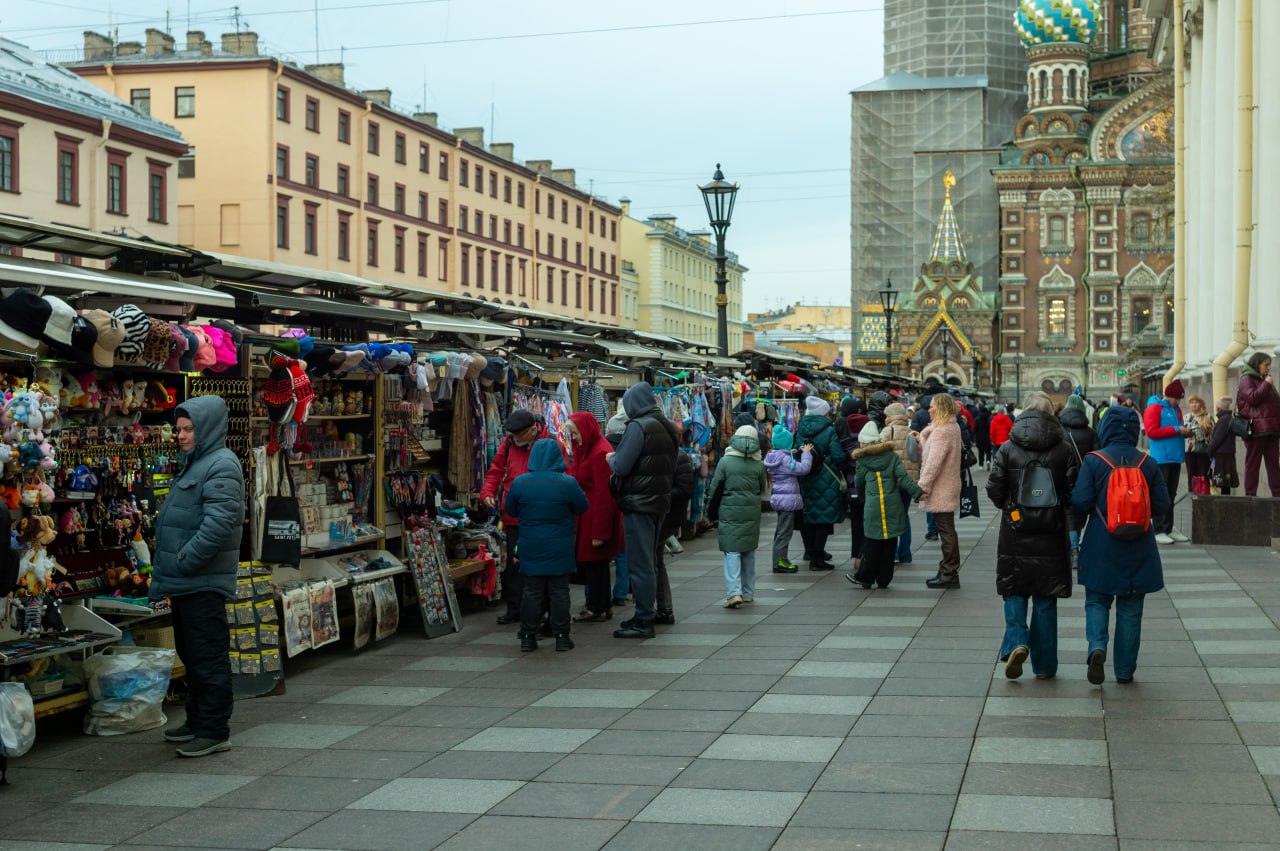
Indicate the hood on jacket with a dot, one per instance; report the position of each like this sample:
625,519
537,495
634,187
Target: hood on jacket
208,414
1119,427
850,405
744,419
589,428
1036,431
546,457
872,453
640,401
777,459
1074,417
782,439
1157,399
856,422
746,443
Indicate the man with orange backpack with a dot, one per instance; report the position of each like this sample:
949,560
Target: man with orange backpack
1119,488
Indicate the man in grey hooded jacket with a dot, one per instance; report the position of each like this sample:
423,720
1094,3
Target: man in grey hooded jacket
198,534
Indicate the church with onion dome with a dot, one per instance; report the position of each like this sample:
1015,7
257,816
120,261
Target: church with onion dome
1086,203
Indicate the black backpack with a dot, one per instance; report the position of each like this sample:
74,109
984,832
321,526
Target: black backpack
1034,503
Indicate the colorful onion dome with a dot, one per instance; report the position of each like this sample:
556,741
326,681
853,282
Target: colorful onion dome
1056,21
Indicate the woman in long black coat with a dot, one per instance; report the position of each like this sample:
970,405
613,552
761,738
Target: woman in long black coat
1032,566
1082,440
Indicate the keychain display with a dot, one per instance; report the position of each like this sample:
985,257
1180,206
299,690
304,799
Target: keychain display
428,563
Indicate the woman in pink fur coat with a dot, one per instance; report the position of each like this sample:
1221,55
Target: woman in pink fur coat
940,481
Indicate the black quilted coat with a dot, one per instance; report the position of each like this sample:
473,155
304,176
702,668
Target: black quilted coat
1033,563
823,501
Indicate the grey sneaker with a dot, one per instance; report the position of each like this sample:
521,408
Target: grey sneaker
181,733
203,747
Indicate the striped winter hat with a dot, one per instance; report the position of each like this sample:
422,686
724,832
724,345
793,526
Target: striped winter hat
137,329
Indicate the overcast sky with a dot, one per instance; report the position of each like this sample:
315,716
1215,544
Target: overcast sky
643,99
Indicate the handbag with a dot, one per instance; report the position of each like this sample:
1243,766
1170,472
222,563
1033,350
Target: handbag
969,506
1200,485
1239,426
912,448
282,522
840,480
967,458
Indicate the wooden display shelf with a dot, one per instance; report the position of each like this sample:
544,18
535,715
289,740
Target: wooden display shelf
463,568
311,552
63,701
317,417
304,461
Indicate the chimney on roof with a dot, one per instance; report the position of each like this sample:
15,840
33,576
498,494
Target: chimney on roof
542,167
197,43
625,203
97,46
330,72
242,43
380,96
431,119
128,48
470,135
564,175
159,42
506,150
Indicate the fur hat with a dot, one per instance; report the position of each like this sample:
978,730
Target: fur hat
817,406
137,329
870,434
159,344
224,348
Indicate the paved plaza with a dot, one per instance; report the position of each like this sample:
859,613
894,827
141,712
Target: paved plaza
823,716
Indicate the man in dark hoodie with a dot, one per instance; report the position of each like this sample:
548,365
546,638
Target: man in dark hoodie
197,552
645,467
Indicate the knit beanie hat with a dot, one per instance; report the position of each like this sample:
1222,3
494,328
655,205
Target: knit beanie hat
617,424
895,409
303,395
1174,390
747,431
278,396
850,405
870,435
187,358
782,439
817,406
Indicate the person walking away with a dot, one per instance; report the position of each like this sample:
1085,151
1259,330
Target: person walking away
1197,445
1001,425
1119,558
599,528
644,465
613,431
882,480
682,489
876,408
1082,440
1033,567
786,471
736,488
895,433
198,532
982,434
848,426
941,447
546,502
1258,402
510,461
1222,449
1166,439
824,501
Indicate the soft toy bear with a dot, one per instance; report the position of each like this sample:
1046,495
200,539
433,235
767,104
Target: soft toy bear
72,396
92,393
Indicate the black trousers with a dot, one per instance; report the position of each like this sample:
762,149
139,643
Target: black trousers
202,638
815,537
859,543
877,561
595,574
511,578
541,592
1172,474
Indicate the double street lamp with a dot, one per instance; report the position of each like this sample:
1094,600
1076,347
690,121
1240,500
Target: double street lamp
889,301
719,196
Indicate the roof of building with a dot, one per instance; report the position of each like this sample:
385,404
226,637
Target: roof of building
947,246
1056,21
900,81
24,74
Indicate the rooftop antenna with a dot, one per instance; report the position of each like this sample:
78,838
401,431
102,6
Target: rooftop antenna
236,16
492,98
316,13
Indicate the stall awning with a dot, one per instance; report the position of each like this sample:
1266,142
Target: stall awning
447,324
620,349
553,335
304,304
67,239
88,281
717,362
248,270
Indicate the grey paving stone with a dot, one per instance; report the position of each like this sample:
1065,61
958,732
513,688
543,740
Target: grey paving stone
639,836
1149,730
718,806
317,794
773,748
733,700
1040,751
1040,707
611,768
647,666
382,738
527,740
433,795
433,715
925,726
977,840
957,706
692,720
1184,710
799,724
1212,823
1192,787
486,765
155,789
385,695
763,776
900,778
607,681
645,743
1180,757
227,828
1028,814
535,834
459,663
578,800
468,696
807,704
374,765
307,736
838,839
895,749
1037,780
880,811
587,697
386,830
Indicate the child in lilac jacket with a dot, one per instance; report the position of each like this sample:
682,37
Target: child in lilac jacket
785,471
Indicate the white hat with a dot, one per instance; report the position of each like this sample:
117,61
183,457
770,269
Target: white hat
869,435
58,329
817,406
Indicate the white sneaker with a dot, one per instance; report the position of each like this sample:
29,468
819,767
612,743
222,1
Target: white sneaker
1162,538
674,546
733,602
1178,537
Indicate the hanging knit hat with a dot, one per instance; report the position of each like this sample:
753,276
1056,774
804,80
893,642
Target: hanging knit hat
159,343
277,394
303,395
177,348
817,406
225,355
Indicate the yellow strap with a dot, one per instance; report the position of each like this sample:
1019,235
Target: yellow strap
884,522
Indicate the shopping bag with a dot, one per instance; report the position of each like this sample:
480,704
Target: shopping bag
1200,485
968,496
17,720
127,686
282,523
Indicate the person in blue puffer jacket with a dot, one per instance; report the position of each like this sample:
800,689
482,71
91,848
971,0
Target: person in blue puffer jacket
1166,438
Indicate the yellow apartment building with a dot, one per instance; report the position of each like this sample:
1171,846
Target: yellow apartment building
290,165
73,155
629,309
677,279
830,321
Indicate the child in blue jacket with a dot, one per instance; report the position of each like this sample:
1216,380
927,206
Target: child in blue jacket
545,501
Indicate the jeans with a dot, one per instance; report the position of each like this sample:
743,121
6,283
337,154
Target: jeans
1172,474
663,603
930,523
1097,612
622,582
1041,639
740,574
541,593
641,532
201,637
1259,451
949,567
904,540
782,535
511,578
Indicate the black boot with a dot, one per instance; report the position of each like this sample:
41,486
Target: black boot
545,630
563,642
637,629
508,617
528,642
666,617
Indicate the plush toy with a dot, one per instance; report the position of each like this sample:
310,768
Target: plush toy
49,412
83,479
33,616
52,620
92,393
72,397
23,411
111,398
166,432
47,459
138,434
49,379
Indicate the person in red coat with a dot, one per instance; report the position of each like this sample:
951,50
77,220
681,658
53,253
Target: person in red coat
600,527
510,462
1001,425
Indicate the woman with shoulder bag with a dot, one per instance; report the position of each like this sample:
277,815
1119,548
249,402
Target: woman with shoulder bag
940,480
1197,445
824,488
1222,449
1258,402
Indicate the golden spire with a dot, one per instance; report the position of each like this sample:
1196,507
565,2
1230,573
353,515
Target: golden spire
948,181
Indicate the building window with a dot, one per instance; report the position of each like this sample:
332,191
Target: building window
1104,342
506,231
1057,316
1141,227
68,170
399,249
442,259
117,182
282,162
157,193
444,166
400,154
344,127
506,189
312,176
282,223
371,245
140,99
400,198
344,181
564,289
344,236
424,158
479,268
282,103
520,195
187,163
184,101
1140,314
591,294
578,217
479,178
309,230
613,299
523,284
1057,230
373,138
1168,314
509,277
422,255
564,212
493,271
520,235
444,212
551,206
577,291
493,227
577,253
463,217
493,185
479,223
313,115
464,173
8,158
613,231
371,195
422,206
465,267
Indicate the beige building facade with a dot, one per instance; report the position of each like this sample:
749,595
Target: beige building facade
830,321
290,165
676,270
72,155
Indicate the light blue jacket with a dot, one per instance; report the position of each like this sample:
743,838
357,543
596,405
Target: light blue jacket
1163,441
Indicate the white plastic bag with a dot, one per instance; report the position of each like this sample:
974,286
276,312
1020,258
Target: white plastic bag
17,719
127,686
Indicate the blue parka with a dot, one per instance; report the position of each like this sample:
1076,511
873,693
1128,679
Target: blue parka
1109,565
200,525
1162,421
546,501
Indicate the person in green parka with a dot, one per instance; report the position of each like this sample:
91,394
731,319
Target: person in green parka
736,489
824,501
882,479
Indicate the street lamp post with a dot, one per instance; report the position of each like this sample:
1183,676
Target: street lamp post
889,301
946,348
719,196
1017,365
975,369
